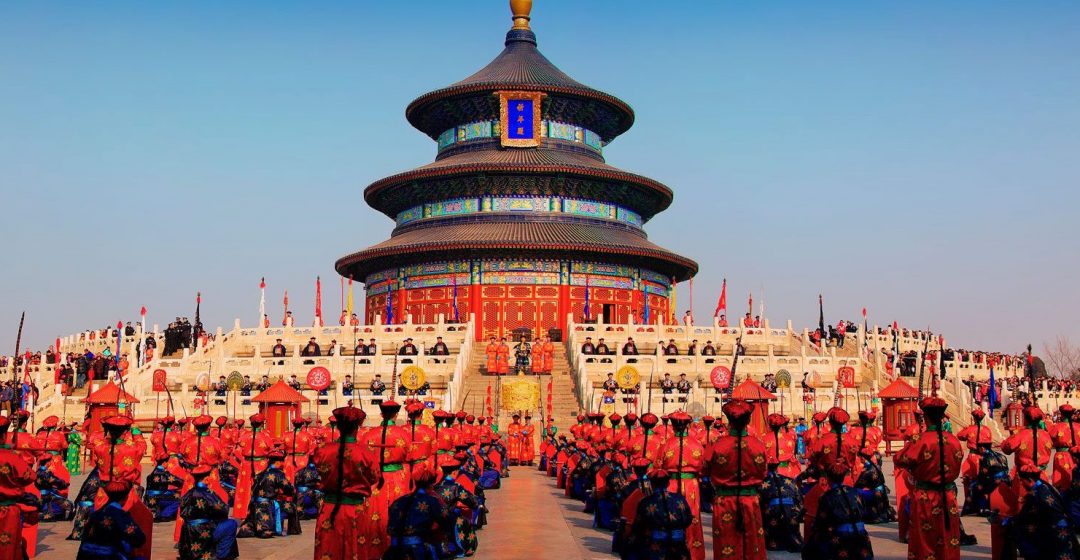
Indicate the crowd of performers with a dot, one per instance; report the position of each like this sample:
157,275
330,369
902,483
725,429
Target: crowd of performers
649,480
409,490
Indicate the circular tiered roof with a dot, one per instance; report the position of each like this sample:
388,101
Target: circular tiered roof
563,161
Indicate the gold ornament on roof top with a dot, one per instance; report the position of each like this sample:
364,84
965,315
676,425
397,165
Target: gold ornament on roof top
521,9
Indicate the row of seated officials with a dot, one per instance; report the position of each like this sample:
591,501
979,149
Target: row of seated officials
312,349
630,348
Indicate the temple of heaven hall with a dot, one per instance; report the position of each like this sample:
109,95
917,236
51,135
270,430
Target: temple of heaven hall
519,220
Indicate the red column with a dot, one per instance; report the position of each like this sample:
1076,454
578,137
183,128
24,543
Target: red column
476,307
564,308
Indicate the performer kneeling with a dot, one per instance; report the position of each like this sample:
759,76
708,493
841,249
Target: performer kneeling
207,528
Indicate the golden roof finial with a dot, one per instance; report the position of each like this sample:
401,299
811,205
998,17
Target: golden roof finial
521,9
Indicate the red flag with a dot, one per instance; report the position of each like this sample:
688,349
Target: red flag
864,313
318,299
285,317
750,304
262,283
198,297
895,326
56,373
721,304
142,311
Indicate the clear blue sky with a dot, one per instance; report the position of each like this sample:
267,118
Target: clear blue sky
918,158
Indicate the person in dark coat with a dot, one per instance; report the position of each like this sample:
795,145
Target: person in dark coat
872,491
309,497
271,495
838,527
54,506
781,510
207,533
163,492
1042,526
662,519
111,533
416,520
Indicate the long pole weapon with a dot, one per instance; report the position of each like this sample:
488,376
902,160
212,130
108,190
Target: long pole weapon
18,344
922,361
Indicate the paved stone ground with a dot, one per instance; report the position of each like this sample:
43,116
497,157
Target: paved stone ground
529,518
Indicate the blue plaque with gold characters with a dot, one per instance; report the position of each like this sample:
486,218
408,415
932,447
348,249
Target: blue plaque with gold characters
519,118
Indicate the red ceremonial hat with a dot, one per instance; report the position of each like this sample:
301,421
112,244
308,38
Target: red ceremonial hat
460,415
184,421
461,457
820,417
866,417
470,419
777,421
838,416
866,452
1033,414
615,418
45,457
4,423
449,463
480,420
1075,450
389,409
414,409
978,414
202,421
116,489
201,471
168,420
580,417
839,469
298,422
349,417
708,420
630,419
640,465
933,407
1066,409
239,422
422,475
1030,471
738,411
257,418
681,419
50,422
276,454
117,425
649,420
222,421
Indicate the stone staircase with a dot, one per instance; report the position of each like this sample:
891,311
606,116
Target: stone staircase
564,402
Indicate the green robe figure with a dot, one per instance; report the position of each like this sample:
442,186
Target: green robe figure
72,460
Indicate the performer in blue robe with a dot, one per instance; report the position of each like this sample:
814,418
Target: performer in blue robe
54,506
271,496
111,533
207,533
661,520
163,492
781,510
417,520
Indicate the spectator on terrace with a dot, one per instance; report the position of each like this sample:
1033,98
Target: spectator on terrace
354,321
630,349
610,384
683,386
377,386
708,350
332,348
407,349
263,384
245,389
722,321
440,348
279,349
688,319
748,321
602,348
671,349
347,386
588,348
288,321
312,349
692,349
294,382
757,321
667,385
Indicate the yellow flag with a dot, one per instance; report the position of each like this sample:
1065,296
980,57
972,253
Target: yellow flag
671,310
349,303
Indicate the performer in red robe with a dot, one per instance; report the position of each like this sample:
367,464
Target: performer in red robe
421,439
828,449
513,440
736,466
491,352
780,446
298,447
348,472
549,356
528,442
17,507
390,443
1065,435
502,358
251,450
683,457
934,462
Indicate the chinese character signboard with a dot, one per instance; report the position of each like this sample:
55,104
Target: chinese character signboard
519,118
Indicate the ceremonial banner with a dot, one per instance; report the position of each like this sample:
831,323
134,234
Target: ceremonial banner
520,395
846,375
